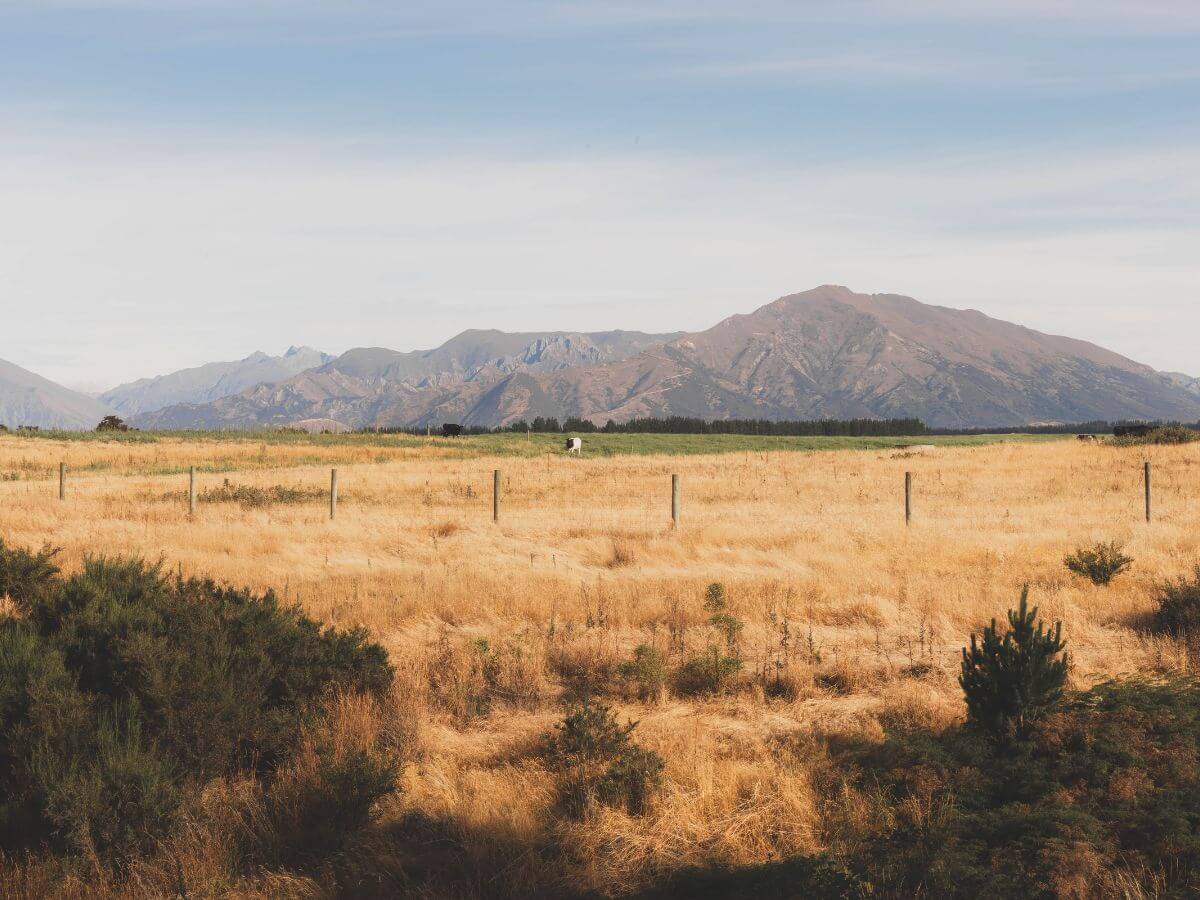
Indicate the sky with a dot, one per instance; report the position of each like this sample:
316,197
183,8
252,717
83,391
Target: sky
184,181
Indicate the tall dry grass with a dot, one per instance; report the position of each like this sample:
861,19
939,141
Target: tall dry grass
853,622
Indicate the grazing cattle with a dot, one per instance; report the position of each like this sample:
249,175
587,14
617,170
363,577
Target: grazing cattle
449,430
575,445
1134,431
1087,437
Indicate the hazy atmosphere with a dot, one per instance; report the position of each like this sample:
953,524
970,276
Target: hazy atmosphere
201,180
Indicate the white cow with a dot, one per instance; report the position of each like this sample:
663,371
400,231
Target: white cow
575,445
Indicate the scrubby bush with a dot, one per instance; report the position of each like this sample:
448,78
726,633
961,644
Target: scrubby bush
1100,801
715,598
1179,605
124,690
714,670
1166,435
709,672
647,672
1099,564
26,576
597,761
1009,682
253,497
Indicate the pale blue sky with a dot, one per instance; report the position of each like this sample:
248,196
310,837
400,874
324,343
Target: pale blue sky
203,179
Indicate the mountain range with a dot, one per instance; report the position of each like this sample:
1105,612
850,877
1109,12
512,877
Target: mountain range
210,382
29,399
374,386
824,353
827,352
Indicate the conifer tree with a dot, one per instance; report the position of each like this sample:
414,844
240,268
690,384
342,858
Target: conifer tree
1010,681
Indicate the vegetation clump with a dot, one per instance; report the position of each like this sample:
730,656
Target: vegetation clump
1099,564
1165,435
1179,606
112,423
647,672
124,692
715,669
597,762
1011,681
253,497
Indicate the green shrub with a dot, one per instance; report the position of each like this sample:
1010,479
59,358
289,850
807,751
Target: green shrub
1011,681
1166,435
123,690
710,672
715,598
1100,801
1179,605
714,670
326,798
647,671
25,577
597,761
1100,564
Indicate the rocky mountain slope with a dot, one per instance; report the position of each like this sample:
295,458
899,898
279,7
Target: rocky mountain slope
828,352
29,399
1187,382
370,384
212,381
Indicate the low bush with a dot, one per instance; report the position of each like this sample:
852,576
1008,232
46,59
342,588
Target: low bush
709,672
1100,564
714,670
254,497
123,691
1167,435
1179,606
1100,800
646,672
597,762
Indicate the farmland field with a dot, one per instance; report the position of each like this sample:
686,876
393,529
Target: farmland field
852,622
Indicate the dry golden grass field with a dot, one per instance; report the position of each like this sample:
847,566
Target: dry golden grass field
853,621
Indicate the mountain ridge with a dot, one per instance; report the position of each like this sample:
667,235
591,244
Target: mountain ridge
30,399
824,353
210,381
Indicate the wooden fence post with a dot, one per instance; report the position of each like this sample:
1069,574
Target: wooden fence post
675,501
496,495
192,491
1149,494
908,498
62,481
332,494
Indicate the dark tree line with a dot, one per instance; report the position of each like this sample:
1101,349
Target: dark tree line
686,425
902,427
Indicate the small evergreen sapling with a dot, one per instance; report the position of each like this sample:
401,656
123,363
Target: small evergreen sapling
1012,680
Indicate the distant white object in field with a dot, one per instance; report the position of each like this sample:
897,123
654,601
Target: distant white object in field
575,445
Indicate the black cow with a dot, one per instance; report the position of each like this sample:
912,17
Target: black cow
449,430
